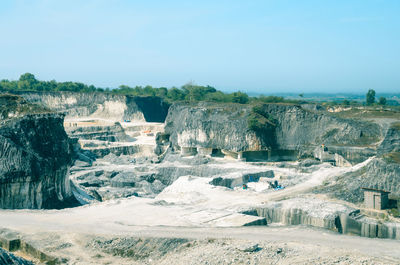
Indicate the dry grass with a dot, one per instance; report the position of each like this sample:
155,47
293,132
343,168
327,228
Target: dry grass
370,112
393,157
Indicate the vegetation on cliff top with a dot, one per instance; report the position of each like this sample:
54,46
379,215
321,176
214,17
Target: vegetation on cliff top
13,106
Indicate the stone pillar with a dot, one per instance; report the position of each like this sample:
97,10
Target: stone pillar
188,151
240,156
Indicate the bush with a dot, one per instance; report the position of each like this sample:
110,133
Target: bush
382,101
239,97
393,157
257,122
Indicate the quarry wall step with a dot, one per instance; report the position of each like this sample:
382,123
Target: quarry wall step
12,241
353,223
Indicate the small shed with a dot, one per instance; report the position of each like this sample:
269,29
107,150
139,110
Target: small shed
376,199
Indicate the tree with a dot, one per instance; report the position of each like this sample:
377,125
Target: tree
162,92
28,77
27,81
240,97
370,97
194,92
382,101
175,94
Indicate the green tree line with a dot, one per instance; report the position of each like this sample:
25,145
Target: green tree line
28,82
189,92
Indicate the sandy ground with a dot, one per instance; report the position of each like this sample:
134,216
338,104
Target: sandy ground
158,245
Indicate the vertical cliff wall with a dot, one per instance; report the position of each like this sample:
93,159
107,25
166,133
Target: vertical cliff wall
101,105
297,127
35,156
219,126
290,127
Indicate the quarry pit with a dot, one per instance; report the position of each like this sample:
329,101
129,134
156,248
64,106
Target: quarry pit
144,183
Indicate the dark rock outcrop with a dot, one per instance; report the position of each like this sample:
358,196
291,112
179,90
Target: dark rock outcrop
154,109
35,156
9,258
391,142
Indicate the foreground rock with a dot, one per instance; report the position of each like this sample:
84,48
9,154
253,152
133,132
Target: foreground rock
35,156
9,258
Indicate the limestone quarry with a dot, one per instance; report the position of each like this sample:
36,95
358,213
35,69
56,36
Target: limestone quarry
96,178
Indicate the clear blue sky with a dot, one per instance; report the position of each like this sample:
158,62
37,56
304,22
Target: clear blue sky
263,46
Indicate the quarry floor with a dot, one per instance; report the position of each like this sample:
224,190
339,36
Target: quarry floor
206,217
189,201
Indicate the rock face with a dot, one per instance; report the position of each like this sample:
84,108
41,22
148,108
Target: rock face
212,126
101,105
226,127
35,156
